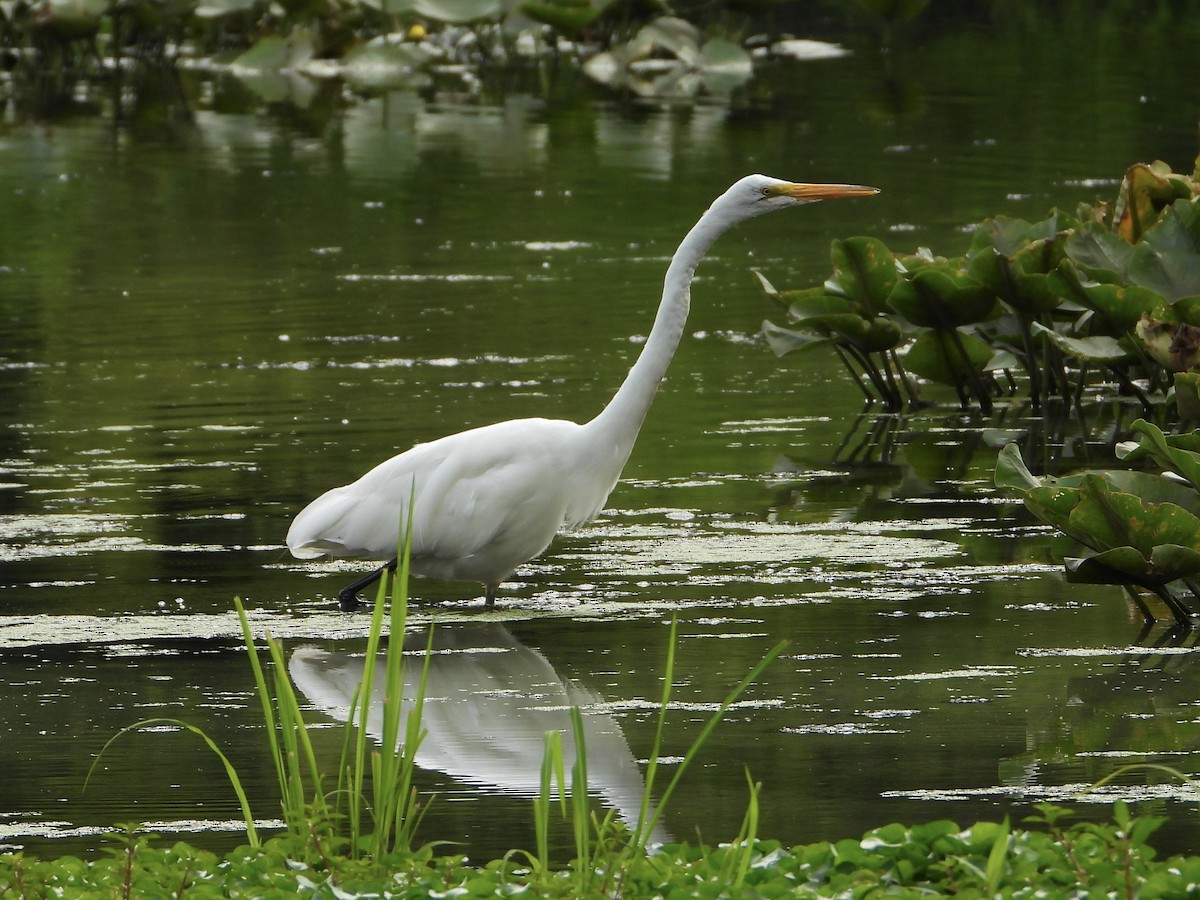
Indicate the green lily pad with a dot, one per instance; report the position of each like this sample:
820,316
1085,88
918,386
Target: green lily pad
1007,235
783,341
940,296
1028,293
1099,349
1120,305
864,270
1012,474
1115,519
1181,458
1011,471
1187,309
1053,504
815,302
275,53
1145,191
934,356
569,17
1097,249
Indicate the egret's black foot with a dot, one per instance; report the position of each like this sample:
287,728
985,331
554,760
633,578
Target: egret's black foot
348,596
348,602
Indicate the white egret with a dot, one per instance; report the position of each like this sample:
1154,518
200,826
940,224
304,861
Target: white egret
489,499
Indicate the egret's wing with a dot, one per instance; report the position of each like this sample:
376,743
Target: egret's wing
498,489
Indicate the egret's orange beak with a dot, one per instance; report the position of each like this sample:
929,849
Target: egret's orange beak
810,192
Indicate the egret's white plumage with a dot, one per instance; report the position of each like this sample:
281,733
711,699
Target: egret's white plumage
492,498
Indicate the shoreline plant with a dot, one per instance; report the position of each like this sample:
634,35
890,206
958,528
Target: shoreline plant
1110,292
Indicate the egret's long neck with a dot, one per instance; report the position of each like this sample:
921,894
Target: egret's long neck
620,421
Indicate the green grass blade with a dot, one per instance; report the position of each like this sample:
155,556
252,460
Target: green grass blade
230,771
264,697
580,807
644,825
645,830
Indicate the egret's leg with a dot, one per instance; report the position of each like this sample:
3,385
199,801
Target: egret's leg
490,595
348,596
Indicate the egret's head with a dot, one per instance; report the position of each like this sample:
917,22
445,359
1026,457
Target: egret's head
758,194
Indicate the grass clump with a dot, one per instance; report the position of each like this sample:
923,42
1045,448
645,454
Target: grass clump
988,859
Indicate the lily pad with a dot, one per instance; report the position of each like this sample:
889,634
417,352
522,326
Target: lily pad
1100,349
1173,345
1183,460
940,296
864,270
783,341
935,355
1145,191
1097,249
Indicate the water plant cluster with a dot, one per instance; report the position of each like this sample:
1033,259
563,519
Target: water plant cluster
1142,528
988,859
641,46
1108,293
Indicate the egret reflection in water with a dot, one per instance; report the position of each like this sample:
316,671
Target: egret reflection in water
489,701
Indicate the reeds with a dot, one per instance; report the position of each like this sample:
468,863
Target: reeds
374,809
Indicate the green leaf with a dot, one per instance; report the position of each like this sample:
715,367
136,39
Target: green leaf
1168,257
1120,305
1145,191
1096,249
815,302
1011,471
940,296
1182,461
1101,349
569,18
865,271
783,341
1028,293
1008,235
934,355
1053,505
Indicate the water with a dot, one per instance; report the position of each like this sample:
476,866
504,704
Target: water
206,323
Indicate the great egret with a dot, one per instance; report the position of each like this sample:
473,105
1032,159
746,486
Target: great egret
492,498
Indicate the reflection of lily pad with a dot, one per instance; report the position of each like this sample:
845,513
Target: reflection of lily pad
275,53
381,64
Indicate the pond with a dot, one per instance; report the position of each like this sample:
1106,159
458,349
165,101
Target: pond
212,314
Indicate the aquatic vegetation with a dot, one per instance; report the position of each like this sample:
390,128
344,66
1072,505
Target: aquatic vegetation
380,44
987,859
1111,290
1143,528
